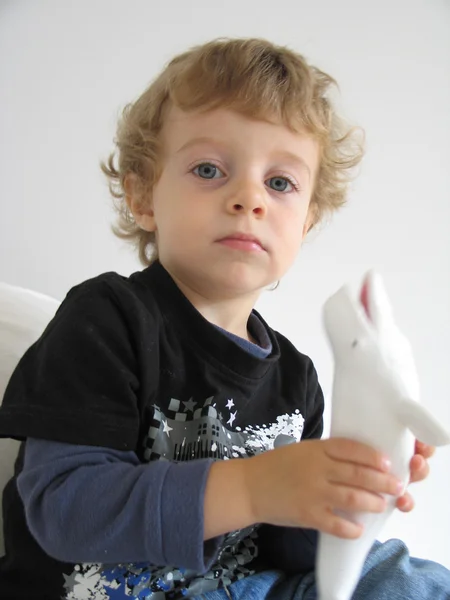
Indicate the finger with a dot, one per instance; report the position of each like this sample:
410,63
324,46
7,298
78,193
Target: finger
340,527
345,450
405,503
370,480
424,449
419,468
353,500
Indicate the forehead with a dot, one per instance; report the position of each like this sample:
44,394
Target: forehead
230,128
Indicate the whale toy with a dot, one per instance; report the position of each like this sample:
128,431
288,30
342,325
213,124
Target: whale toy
375,400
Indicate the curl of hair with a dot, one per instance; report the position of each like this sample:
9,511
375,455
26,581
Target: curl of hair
259,80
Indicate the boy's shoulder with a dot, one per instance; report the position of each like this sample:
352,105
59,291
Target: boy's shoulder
110,288
148,284
103,285
109,306
290,356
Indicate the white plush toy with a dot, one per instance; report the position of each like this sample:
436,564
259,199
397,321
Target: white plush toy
374,401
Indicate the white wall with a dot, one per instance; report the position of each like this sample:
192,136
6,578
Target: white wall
67,68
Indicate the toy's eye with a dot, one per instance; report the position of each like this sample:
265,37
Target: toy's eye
355,343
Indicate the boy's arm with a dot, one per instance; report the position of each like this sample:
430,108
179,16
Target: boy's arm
92,504
294,485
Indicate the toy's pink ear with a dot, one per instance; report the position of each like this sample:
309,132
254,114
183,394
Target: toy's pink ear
364,297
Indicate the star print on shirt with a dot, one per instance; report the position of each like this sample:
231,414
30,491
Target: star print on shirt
231,419
230,403
166,428
189,405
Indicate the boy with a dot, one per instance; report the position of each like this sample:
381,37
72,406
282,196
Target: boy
142,391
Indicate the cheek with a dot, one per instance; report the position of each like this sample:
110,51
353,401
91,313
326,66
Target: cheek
168,206
290,224
178,223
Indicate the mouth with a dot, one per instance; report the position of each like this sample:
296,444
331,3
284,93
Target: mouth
242,241
375,301
364,298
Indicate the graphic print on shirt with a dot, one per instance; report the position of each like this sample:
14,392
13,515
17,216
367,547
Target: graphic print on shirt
183,433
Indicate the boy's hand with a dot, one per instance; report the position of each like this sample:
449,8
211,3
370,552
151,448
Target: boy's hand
419,471
307,484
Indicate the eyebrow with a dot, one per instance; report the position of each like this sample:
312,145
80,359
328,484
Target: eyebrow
198,140
283,154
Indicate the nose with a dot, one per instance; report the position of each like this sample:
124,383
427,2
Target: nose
247,197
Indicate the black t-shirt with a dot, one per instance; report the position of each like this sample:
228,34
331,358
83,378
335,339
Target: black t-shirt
129,364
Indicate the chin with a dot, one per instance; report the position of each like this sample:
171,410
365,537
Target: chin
243,280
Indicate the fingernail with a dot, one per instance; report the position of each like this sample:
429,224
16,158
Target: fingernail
387,464
399,487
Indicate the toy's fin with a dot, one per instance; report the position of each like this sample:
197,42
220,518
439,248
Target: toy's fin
423,425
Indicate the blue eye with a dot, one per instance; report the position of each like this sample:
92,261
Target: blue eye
279,184
207,171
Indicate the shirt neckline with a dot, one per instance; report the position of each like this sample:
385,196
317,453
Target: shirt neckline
181,314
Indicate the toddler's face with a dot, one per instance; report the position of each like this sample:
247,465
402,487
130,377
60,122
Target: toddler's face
226,177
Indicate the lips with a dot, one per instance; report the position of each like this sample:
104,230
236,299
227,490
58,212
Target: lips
243,241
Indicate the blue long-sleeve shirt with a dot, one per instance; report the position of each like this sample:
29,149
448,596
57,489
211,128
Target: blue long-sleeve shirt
124,511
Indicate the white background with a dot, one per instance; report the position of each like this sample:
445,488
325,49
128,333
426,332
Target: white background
66,70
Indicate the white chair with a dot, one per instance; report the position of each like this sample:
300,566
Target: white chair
23,317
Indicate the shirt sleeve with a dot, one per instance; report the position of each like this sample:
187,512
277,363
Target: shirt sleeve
80,382
92,504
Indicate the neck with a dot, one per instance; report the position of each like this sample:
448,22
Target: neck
230,313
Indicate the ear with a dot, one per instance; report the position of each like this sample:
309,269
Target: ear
140,206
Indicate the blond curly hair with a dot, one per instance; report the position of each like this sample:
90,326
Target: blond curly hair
256,78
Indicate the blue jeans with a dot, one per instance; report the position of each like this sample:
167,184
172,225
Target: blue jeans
389,574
